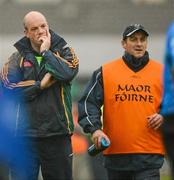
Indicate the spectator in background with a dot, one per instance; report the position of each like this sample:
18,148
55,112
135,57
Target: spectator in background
168,99
39,74
130,88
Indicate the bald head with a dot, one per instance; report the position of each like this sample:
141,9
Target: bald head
31,17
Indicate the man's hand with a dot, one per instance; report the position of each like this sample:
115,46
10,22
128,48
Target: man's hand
46,42
155,121
97,137
47,81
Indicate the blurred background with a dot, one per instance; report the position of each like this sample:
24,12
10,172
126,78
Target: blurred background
94,29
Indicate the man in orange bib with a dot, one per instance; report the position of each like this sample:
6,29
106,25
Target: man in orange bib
130,90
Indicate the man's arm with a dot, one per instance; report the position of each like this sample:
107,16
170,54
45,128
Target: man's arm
89,108
63,66
12,80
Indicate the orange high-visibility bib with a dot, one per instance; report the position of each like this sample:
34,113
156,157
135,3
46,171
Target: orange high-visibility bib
129,98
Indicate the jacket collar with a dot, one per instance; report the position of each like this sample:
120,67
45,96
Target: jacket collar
25,49
136,64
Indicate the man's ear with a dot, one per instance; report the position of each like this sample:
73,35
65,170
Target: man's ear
123,42
26,33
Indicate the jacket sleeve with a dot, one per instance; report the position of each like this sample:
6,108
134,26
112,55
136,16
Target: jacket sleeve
63,65
12,80
89,106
